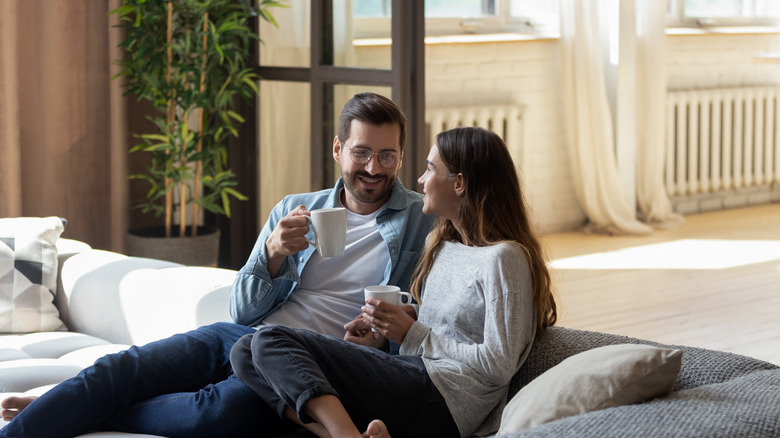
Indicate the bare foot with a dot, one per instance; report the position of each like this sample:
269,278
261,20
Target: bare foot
376,429
14,404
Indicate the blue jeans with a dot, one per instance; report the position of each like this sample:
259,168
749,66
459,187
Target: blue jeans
182,386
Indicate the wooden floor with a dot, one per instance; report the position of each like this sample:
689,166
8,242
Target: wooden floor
714,282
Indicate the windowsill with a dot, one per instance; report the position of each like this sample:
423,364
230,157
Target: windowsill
722,30
518,37
461,39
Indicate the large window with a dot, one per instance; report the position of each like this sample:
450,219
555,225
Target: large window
448,17
463,16
723,12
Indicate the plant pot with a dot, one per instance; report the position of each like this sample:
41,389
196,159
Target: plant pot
201,250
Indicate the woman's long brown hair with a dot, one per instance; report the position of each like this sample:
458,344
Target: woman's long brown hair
492,210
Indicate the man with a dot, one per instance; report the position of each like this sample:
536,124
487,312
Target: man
183,385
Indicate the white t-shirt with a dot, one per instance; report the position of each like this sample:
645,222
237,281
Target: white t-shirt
330,292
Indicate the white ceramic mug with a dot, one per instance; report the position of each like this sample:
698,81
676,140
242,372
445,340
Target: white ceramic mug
330,230
389,294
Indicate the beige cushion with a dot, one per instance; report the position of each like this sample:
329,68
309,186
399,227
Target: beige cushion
608,376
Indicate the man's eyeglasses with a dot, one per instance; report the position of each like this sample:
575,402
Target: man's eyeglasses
387,159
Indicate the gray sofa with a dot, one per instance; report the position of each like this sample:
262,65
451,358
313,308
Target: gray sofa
717,394
109,301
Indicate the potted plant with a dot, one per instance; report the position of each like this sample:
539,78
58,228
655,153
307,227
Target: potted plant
190,60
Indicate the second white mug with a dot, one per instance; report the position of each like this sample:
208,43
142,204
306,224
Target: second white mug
389,294
330,230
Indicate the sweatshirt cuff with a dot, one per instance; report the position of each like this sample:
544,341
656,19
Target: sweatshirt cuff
414,338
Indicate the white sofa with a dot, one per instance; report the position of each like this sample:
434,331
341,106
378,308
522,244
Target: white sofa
109,301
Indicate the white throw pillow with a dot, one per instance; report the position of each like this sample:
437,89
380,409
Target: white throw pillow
28,274
603,377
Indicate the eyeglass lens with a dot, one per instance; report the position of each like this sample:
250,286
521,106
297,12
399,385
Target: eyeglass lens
387,159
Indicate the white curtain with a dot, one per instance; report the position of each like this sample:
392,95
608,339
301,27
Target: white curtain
652,200
589,127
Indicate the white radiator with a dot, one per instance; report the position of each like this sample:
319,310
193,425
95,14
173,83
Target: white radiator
504,120
722,139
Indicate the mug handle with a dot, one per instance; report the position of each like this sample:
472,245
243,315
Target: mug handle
311,224
408,298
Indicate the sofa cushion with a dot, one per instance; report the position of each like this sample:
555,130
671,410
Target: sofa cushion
603,377
28,274
37,359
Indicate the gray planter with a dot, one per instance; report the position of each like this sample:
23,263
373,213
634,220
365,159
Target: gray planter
201,250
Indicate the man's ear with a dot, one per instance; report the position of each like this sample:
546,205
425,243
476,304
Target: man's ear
337,149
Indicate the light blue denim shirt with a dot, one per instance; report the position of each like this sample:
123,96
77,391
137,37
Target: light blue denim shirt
402,224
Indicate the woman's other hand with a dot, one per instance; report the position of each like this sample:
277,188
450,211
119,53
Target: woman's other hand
391,321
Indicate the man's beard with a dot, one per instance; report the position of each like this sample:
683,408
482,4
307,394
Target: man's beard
368,195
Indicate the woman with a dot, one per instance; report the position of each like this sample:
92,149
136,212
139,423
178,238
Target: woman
484,291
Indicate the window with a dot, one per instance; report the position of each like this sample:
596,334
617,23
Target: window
449,17
722,12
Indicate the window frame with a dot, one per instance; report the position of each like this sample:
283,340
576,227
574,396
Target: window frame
501,22
676,17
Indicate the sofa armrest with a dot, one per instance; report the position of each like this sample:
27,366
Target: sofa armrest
133,300
158,303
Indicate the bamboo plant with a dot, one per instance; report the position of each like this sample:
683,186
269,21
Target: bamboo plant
191,60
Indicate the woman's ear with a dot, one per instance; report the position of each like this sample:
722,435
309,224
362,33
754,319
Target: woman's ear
460,184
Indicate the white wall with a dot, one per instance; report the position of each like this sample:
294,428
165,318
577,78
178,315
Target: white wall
527,73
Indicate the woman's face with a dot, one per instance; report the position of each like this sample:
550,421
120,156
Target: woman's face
440,188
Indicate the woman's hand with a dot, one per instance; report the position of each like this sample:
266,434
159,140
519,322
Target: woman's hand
391,321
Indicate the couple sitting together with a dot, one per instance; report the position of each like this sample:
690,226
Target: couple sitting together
465,249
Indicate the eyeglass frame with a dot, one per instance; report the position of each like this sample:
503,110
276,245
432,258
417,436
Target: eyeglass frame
395,154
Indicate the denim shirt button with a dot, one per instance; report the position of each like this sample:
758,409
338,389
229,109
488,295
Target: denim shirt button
300,259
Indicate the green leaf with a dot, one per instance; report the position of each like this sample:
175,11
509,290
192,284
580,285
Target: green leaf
158,137
235,116
235,194
226,203
123,10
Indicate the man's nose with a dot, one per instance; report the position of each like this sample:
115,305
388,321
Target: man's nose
373,165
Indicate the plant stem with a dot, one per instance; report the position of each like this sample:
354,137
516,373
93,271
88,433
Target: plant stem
199,163
169,117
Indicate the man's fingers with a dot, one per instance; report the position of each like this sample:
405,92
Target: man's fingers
299,211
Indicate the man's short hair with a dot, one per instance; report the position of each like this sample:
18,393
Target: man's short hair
374,109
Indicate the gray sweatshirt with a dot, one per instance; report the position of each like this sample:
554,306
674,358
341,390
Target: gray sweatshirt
475,329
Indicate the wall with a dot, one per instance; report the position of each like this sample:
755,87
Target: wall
527,73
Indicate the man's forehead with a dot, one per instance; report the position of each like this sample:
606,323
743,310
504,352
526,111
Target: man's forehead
369,135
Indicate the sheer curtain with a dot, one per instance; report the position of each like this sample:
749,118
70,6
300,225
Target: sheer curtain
284,108
62,145
589,127
652,200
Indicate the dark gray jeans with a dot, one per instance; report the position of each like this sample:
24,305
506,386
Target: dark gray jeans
288,367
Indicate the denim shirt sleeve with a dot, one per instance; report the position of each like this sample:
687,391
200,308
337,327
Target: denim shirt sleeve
254,294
